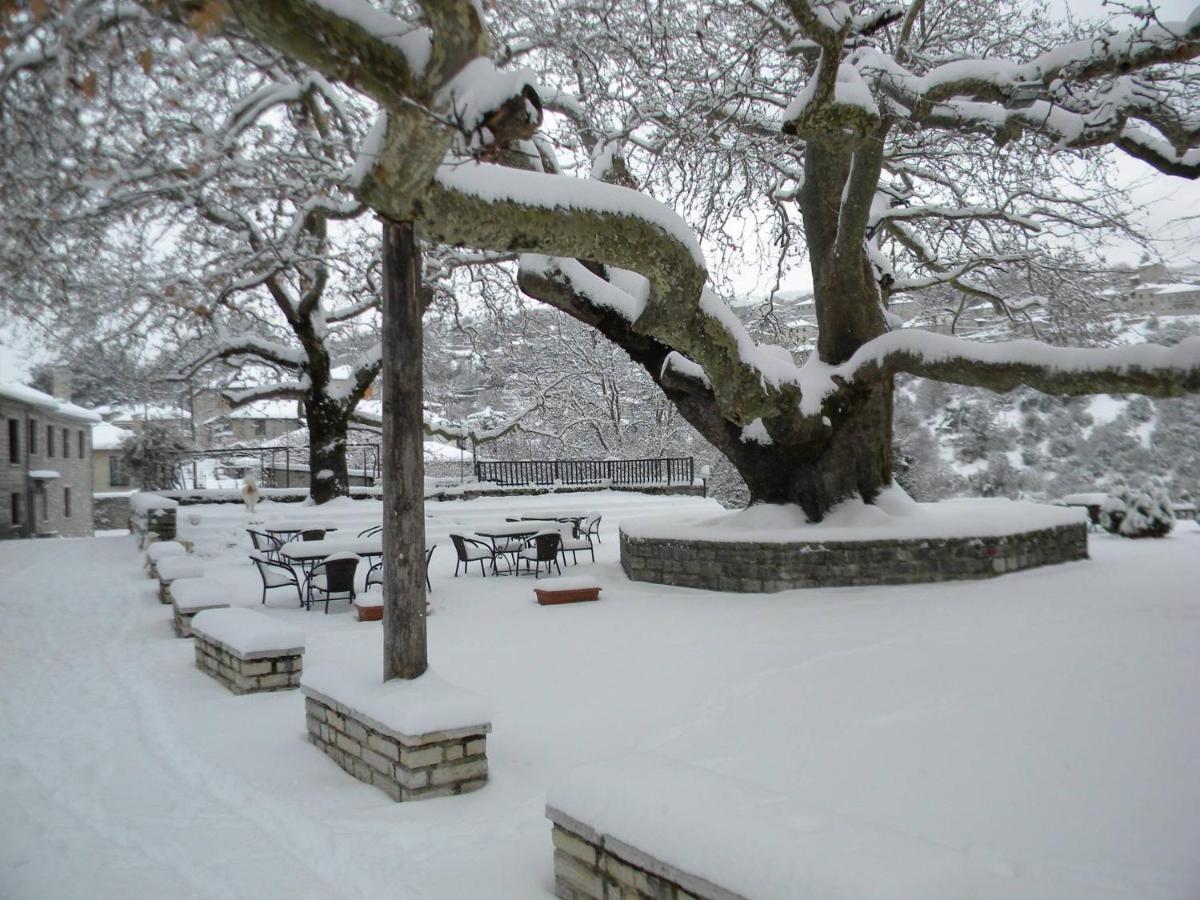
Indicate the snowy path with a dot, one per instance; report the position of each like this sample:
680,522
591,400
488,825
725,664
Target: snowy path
1044,723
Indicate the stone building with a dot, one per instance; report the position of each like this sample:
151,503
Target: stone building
45,462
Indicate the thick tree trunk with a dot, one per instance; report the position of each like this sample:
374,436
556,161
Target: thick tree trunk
405,654
855,458
328,473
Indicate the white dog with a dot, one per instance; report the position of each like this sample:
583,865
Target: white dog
250,494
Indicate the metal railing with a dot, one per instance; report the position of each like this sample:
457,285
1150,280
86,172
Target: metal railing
661,470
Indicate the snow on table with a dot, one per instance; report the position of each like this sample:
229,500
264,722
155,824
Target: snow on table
893,516
250,634
400,708
143,502
676,820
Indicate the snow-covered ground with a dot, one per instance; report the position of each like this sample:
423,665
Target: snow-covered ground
1044,724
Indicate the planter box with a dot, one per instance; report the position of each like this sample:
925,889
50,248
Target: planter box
552,597
369,613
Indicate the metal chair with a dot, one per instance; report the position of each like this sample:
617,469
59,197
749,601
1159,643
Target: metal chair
266,544
312,534
276,574
574,543
332,579
375,573
470,550
541,548
370,532
590,527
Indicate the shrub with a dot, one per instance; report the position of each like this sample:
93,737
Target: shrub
1137,513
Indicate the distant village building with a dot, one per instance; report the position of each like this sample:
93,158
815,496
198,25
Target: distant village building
45,462
111,474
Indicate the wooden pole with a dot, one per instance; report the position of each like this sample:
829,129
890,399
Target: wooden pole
405,652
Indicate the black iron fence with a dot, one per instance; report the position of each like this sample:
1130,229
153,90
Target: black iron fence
663,470
273,466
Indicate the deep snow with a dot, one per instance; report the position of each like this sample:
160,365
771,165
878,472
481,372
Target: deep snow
1042,724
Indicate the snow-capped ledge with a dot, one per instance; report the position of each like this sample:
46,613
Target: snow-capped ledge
414,740
648,824
894,541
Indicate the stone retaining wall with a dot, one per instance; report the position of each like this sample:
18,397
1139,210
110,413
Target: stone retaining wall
405,767
590,867
275,671
755,567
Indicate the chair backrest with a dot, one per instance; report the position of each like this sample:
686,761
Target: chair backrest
339,573
429,554
590,525
547,544
273,574
368,532
263,541
313,534
460,546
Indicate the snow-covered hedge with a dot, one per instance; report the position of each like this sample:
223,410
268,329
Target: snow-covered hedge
1138,512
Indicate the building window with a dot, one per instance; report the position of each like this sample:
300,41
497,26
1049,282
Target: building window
67,444
43,495
49,441
16,509
118,476
260,427
81,447
14,440
67,502
32,438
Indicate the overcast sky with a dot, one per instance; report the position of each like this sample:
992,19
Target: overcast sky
1166,203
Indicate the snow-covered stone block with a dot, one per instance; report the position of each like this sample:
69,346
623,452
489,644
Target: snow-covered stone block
161,550
190,596
568,589
644,825
247,651
175,568
414,740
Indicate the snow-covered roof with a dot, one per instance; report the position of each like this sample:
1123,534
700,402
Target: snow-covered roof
142,412
27,395
262,409
107,436
1179,289
341,373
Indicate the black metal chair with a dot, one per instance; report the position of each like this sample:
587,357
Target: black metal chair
469,550
375,573
590,527
266,544
370,532
576,543
541,548
276,574
332,579
313,534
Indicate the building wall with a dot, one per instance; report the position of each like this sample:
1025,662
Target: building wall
43,504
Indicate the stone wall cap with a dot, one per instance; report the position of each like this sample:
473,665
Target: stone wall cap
163,549
415,711
174,567
721,837
194,594
894,517
247,633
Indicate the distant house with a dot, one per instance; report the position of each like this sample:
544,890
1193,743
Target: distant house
108,462
45,462
219,424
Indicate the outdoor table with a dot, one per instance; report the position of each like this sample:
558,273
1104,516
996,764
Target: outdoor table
286,532
507,530
307,554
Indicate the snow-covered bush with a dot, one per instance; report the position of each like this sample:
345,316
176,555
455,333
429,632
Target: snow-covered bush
1135,513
